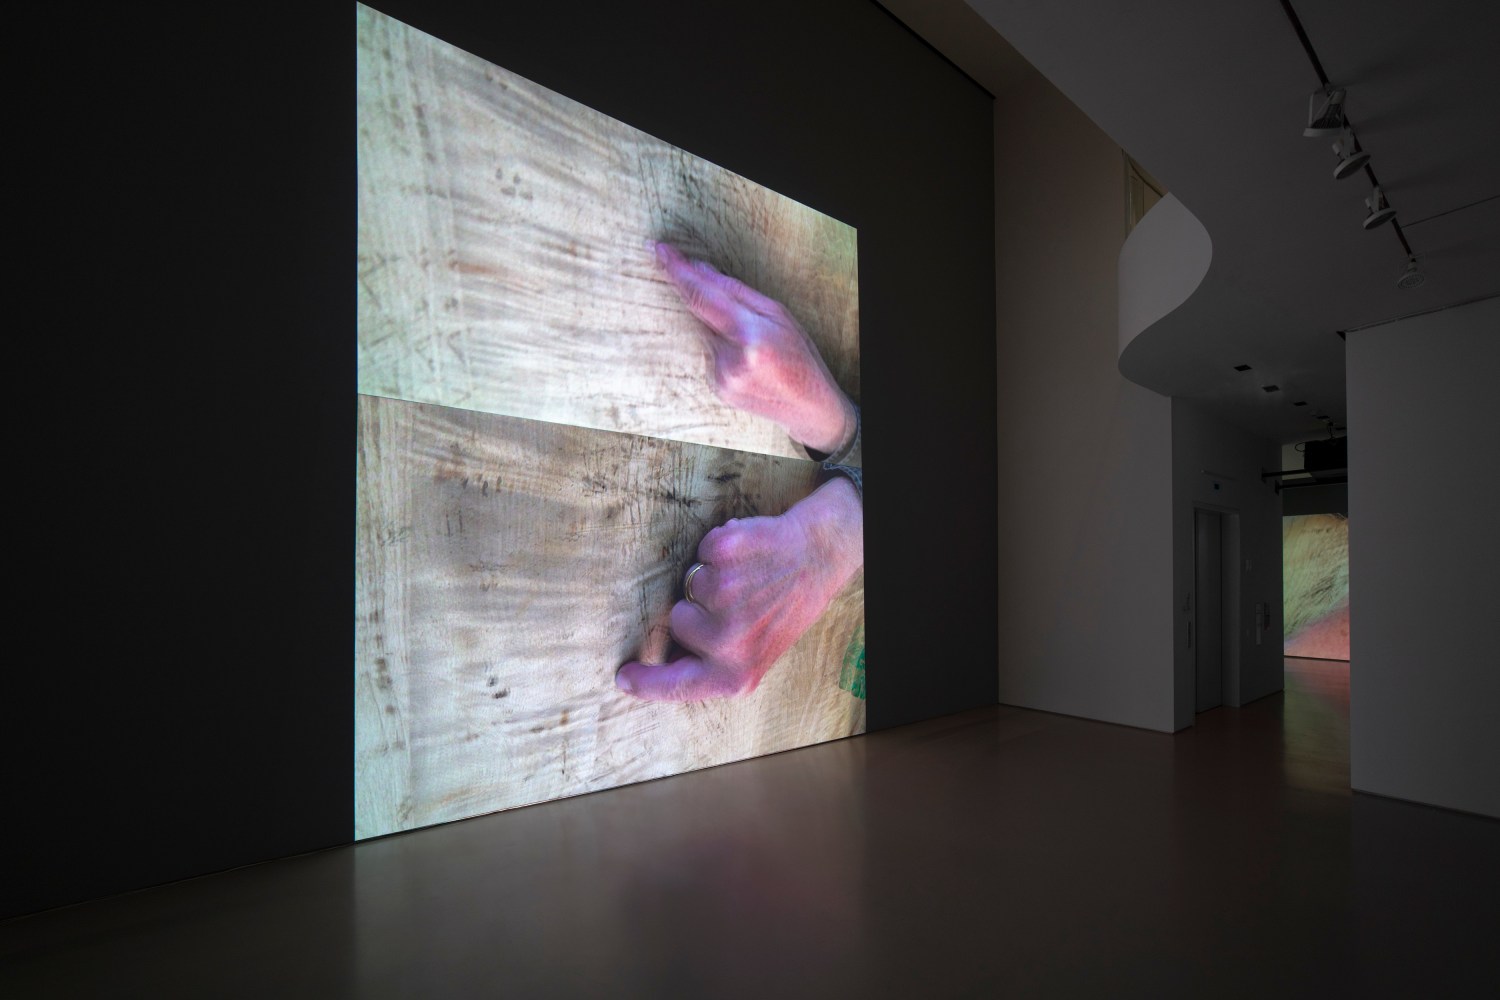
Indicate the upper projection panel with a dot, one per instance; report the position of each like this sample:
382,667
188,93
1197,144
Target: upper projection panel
504,258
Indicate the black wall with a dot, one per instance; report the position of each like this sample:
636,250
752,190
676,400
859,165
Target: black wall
1331,499
191,706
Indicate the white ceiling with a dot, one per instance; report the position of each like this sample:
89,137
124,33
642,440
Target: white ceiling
1211,99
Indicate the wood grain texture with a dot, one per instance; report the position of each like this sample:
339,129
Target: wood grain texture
506,568
503,263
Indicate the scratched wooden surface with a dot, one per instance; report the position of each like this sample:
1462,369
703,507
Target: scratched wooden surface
506,567
503,264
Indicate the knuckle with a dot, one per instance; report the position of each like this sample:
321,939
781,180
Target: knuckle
708,548
721,545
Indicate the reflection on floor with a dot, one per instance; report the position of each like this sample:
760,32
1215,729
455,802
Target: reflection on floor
1315,716
997,851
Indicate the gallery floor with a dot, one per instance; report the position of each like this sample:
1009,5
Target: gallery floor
999,851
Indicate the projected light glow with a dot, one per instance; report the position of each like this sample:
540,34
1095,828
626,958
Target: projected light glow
1315,585
588,363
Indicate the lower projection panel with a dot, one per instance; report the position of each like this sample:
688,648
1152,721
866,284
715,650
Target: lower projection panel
505,569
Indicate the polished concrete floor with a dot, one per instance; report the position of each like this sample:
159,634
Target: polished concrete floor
1000,851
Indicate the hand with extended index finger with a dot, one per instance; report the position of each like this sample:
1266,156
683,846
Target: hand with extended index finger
759,584
763,361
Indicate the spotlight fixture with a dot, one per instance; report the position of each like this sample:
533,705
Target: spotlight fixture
1411,277
1351,157
1381,211
1325,112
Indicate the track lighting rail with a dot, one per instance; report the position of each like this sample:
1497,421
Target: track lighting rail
1317,65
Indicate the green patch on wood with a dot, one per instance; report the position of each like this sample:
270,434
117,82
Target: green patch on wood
852,676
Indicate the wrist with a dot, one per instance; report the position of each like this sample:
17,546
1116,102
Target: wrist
837,428
832,520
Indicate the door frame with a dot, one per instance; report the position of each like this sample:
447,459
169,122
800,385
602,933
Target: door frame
1230,617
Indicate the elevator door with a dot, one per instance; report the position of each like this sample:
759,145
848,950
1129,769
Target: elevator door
1208,644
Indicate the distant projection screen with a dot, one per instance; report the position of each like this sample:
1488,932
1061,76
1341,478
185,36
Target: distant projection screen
1315,585
546,434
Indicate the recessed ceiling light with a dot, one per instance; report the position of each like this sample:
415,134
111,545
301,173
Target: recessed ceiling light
1270,388
1241,368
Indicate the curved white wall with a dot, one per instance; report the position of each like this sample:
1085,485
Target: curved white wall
1162,263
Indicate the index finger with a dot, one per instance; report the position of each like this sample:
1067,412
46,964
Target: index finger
687,678
703,290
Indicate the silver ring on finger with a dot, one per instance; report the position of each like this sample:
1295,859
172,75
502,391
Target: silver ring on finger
687,583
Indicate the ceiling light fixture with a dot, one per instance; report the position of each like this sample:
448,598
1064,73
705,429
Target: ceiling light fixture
1411,277
1351,157
1326,117
1381,211
1325,112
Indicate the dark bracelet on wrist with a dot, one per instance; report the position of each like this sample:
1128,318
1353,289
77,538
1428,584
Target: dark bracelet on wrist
854,474
849,447
835,464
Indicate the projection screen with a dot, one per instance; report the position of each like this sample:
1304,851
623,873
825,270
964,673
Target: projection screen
608,498
1315,585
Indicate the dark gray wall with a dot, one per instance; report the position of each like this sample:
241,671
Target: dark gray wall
1331,499
194,711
